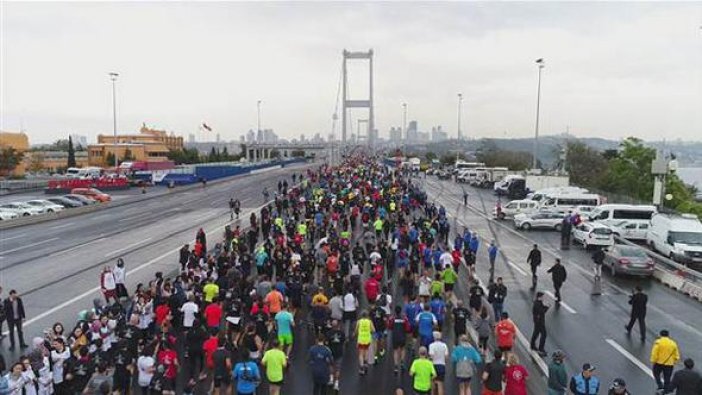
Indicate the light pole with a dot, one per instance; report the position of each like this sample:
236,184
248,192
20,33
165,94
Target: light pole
258,116
113,77
540,64
404,124
460,103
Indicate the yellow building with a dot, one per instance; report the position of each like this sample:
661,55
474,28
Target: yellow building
147,145
18,141
52,161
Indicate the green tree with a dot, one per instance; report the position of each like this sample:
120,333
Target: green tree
9,159
110,159
585,165
430,156
36,162
513,160
127,155
629,172
71,153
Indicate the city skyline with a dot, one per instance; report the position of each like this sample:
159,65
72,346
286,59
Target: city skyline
612,70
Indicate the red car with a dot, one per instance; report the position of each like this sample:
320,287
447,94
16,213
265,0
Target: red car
92,193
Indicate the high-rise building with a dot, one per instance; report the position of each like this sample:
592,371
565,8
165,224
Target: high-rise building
395,135
250,136
268,136
191,138
438,135
412,132
217,138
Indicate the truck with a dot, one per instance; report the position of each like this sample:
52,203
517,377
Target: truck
520,186
414,164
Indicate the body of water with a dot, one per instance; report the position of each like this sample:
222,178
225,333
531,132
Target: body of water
691,175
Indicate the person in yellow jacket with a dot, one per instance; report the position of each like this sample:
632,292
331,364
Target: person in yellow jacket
664,355
364,331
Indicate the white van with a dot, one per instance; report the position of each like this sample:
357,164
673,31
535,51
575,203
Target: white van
679,237
610,214
570,201
501,187
517,207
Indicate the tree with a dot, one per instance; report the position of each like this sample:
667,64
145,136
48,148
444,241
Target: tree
36,162
430,156
585,165
185,156
9,159
110,159
513,160
630,172
127,155
71,153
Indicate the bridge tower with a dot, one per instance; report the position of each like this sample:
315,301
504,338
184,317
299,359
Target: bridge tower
347,103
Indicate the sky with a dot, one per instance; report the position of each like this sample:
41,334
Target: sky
612,69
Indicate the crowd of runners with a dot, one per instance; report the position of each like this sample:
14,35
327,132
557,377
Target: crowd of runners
357,256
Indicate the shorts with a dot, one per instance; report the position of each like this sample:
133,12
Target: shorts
168,384
363,346
448,287
400,343
285,339
222,381
419,392
278,383
463,379
377,335
505,348
350,315
425,340
490,392
440,372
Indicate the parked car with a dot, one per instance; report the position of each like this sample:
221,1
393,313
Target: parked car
49,206
626,259
65,202
7,215
517,207
81,199
593,234
443,175
538,220
92,193
630,230
23,209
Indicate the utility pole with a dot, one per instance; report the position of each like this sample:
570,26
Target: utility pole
460,102
113,77
540,64
258,116
403,135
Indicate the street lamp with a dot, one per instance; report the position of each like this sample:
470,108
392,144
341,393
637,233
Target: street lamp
258,112
460,103
540,64
113,78
404,120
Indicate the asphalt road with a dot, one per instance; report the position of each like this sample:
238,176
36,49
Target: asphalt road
588,328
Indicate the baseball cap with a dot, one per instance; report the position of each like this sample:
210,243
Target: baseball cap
588,367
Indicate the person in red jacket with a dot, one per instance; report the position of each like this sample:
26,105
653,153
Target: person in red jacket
213,315
505,331
372,288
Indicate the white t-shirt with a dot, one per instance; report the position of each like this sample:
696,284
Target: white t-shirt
350,302
189,309
388,302
438,351
145,363
424,285
445,259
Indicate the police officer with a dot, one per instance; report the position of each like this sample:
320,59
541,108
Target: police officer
558,275
534,260
638,301
538,312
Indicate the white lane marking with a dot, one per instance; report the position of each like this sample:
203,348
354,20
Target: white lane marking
14,237
77,246
630,357
563,304
92,290
62,226
29,245
127,247
517,268
131,217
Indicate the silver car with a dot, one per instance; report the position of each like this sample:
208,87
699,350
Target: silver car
626,259
539,220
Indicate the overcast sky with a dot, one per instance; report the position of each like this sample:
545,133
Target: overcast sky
612,69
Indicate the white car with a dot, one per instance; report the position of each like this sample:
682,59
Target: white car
49,206
23,209
539,220
630,230
6,214
593,234
516,207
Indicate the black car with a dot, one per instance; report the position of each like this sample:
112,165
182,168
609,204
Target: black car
65,202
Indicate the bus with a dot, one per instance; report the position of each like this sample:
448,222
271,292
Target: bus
570,201
610,214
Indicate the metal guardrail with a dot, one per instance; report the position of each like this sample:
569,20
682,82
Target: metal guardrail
16,186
